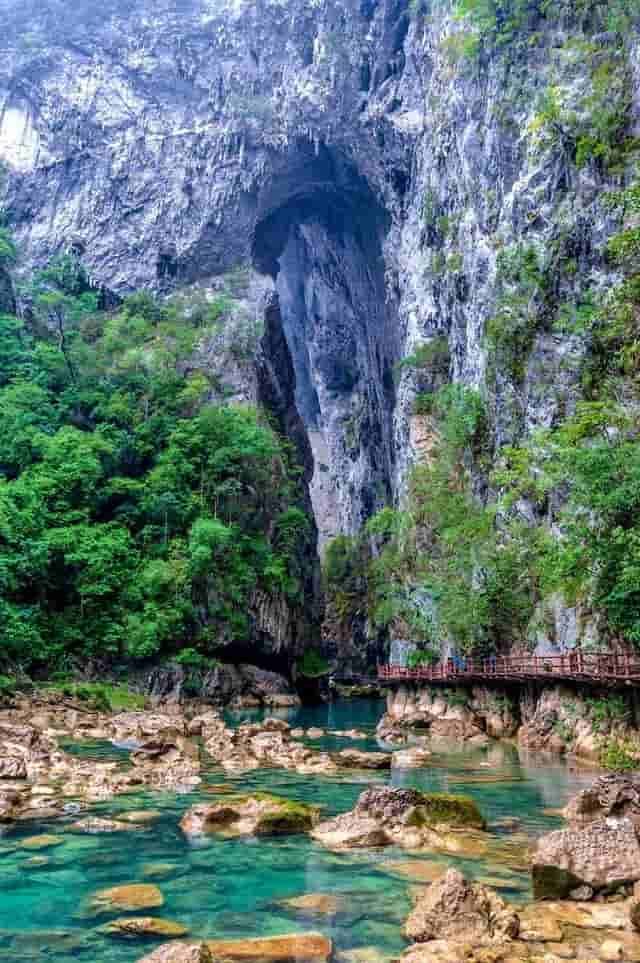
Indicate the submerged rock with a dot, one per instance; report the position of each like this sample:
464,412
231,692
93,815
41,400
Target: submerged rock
158,870
259,815
454,909
415,870
602,855
294,948
180,953
41,842
133,927
93,825
313,904
141,815
356,759
128,897
411,758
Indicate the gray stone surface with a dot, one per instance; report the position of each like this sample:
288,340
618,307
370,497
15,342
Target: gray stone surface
334,153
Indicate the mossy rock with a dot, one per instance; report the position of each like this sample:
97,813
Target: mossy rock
445,809
287,816
552,882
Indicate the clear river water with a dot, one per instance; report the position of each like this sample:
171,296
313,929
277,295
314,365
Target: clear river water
233,888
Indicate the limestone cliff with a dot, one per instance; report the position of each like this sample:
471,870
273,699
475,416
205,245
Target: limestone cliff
365,169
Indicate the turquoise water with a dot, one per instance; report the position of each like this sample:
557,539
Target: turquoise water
232,887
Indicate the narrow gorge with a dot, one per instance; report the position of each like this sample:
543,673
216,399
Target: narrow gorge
319,481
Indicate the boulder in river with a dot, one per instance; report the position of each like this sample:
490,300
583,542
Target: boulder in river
351,831
407,817
419,808
260,814
602,855
356,759
313,904
44,841
452,908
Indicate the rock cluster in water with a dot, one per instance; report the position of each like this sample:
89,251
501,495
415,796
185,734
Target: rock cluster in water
40,780
599,849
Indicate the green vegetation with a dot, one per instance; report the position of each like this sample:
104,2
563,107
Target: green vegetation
433,354
619,755
312,664
136,517
441,568
524,288
591,126
99,695
423,657
500,23
604,712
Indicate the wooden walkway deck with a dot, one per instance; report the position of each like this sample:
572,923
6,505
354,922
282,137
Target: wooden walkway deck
604,669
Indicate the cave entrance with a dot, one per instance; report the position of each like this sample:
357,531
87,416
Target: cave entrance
319,235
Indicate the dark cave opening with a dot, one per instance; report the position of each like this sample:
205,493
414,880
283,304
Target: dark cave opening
319,235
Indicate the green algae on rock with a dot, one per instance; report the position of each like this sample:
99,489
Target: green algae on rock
436,809
260,814
406,817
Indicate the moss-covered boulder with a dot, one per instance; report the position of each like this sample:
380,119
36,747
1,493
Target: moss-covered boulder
415,808
405,817
446,809
260,814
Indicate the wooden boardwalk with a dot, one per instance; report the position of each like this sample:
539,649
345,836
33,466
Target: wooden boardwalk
604,669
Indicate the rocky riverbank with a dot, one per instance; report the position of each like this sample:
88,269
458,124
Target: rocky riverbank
597,727
461,867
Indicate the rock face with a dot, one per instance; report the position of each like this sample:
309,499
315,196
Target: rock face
363,178
552,718
226,684
453,909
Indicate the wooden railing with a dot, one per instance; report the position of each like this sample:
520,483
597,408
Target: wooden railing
579,666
